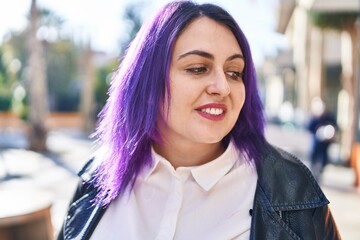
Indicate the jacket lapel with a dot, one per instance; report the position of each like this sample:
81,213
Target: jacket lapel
267,224
284,184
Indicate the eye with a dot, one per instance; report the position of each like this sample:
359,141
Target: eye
196,70
234,75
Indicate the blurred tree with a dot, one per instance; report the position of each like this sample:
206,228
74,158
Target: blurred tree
333,20
62,59
5,94
12,93
16,47
50,19
104,75
38,107
64,62
88,91
133,19
2,64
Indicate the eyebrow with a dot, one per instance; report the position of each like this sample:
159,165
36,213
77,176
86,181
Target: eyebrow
235,56
209,55
197,52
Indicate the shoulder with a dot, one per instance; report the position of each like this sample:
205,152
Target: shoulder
284,179
83,213
276,160
86,185
88,170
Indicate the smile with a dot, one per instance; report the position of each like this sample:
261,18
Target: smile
213,111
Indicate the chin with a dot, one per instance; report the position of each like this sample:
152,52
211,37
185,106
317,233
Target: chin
212,140
216,138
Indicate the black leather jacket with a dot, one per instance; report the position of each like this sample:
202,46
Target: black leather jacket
288,204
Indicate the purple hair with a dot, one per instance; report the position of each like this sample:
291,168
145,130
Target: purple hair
127,125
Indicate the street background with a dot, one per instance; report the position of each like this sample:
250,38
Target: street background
303,50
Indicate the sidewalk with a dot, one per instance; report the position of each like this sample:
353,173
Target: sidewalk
344,200
70,150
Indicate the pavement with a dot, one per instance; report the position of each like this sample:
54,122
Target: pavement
55,172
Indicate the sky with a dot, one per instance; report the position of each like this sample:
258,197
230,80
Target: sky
101,22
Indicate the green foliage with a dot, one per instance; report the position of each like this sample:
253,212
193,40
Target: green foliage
62,57
50,18
333,20
62,66
5,102
17,46
102,83
134,20
3,71
5,89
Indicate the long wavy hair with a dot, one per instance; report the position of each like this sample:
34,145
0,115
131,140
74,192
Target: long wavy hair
127,124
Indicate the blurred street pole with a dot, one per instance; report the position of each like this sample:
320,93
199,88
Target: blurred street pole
37,85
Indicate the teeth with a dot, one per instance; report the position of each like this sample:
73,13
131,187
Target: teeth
213,111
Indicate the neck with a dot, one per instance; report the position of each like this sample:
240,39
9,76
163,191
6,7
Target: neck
186,155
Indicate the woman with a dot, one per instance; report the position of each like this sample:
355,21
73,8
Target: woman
186,156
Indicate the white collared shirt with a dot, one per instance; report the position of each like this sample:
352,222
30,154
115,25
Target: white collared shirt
211,201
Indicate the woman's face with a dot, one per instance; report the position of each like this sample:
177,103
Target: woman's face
206,86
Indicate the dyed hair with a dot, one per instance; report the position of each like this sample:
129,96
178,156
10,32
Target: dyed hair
127,125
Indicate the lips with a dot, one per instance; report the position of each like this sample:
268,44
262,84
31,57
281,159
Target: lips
212,111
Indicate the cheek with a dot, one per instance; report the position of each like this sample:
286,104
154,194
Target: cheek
239,95
181,96
173,104
243,97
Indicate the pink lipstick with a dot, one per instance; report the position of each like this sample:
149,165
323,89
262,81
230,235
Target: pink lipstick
212,111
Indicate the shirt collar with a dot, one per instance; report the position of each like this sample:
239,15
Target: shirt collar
209,174
155,161
206,175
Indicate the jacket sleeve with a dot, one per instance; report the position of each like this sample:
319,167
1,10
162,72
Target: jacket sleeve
79,192
325,225
81,189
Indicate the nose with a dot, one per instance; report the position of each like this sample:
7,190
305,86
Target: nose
218,84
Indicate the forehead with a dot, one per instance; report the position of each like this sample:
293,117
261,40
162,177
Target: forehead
208,35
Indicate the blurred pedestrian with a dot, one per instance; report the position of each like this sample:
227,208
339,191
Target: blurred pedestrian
185,152
323,127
